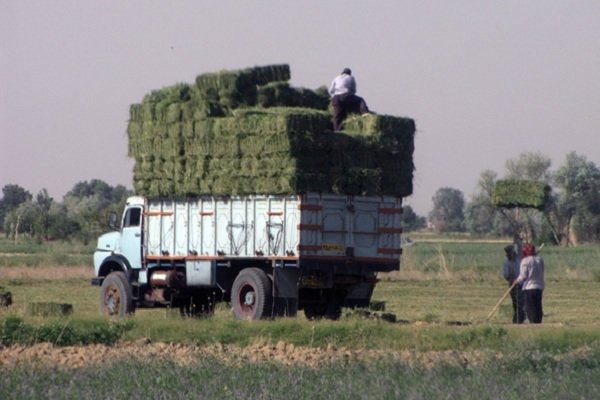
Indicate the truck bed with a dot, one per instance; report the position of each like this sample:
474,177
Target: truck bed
302,227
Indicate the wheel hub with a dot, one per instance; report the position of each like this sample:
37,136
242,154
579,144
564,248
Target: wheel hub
112,301
249,299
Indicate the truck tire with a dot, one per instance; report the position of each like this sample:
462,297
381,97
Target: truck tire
251,295
116,298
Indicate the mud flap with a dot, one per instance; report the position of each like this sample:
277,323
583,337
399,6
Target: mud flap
285,291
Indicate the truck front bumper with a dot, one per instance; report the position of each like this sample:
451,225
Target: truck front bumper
97,281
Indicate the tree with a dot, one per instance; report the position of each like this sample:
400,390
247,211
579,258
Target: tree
528,222
578,199
447,214
90,203
411,221
22,220
44,203
529,166
481,216
12,197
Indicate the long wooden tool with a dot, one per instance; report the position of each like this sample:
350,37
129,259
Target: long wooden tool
504,296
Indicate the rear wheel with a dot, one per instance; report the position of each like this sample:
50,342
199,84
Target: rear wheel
251,295
116,298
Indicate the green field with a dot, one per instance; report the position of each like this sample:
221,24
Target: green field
440,298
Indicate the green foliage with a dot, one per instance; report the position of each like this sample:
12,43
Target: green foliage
447,213
12,197
578,184
529,166
411,221
61,332
543,376
32,253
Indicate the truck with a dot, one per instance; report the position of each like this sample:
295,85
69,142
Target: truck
266,255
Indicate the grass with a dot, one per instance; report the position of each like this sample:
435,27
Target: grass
441,299
31,253
504,378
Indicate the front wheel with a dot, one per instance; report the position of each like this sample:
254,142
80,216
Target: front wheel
116,298
251,295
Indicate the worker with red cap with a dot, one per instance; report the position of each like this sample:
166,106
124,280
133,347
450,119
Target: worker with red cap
531,277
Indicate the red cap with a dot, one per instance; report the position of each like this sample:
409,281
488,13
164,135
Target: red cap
528,250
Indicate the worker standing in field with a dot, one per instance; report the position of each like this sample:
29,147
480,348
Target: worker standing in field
344,98
531,276
511,273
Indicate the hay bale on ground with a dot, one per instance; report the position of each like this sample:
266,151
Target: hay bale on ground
49,309
512,193
5,297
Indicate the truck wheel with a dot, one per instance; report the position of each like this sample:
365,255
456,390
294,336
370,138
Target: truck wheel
115,296
251,295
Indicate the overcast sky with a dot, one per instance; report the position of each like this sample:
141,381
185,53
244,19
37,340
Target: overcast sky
485,80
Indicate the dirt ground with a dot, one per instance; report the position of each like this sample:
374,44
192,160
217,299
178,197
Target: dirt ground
45,354
284,353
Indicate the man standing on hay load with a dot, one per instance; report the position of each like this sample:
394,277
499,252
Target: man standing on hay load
511,273
531,276
344,98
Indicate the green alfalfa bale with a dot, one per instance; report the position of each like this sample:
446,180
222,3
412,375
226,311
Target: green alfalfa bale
197,146
5,297
373,123
232,89
49,309
400,185
262,75
174,113
136,112
387,133
275,94
169,147
189,187
511,193
281,94
220,166
229,89
135,129
280,120
206,127
187,128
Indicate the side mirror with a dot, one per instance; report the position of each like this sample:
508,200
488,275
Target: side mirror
112,220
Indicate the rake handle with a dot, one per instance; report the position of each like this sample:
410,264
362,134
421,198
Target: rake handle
504,296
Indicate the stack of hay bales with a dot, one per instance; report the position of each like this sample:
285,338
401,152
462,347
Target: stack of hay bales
511,193
249,132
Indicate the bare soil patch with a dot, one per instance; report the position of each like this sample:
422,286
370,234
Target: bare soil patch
46,354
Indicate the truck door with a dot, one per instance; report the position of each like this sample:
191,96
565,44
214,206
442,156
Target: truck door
131,236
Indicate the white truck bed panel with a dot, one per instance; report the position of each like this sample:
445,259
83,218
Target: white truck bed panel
311,225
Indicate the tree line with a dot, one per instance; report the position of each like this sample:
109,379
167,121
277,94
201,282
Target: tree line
82,215
572,214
